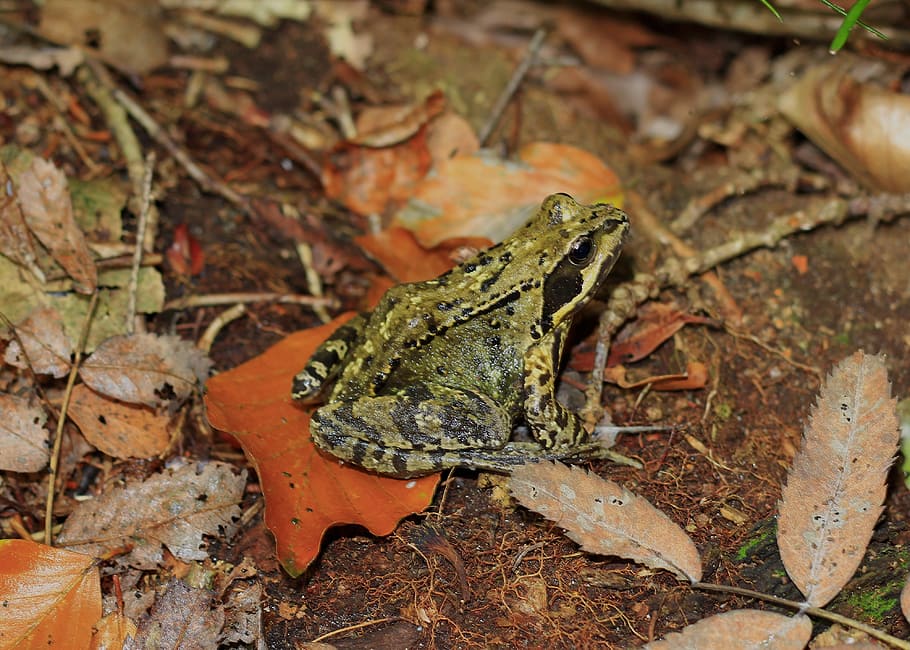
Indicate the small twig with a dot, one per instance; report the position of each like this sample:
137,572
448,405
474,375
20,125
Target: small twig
626,298
208,336
313,281
140,239
811,611
215,299
206,180
358,626
61,420
98,84
517,77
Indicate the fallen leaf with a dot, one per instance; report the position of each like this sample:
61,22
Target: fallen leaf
130,36
112,631
344,43
800,263
185,254
173,508
50,597
16,241
404,258
654,324
367,179
48,212
23,438
305,492
744,628
863,126
384,126
836,486
48,349
145,369
182,617
116,428
605,518
483,196
695,377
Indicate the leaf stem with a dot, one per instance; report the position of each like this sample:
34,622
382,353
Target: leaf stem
817,612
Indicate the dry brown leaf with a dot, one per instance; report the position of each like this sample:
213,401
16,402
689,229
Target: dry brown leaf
836,486
863,126
48,211
47,346
744,628
174,508
16,240
23,438
605,518
127,34
183,617
145,369
116,428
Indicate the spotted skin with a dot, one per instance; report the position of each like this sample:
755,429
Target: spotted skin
440,373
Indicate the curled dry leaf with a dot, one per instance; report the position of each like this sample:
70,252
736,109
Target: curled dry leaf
174,508
836,486
865,127
745,628
51,598
605,518
116,428
145,369
47,346
48,211
23,438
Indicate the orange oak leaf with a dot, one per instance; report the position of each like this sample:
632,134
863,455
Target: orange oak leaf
305,491
50,597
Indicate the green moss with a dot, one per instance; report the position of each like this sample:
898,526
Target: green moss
723,410
877,603
763,536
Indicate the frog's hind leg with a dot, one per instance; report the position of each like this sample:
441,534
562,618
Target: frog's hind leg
425,429
418,430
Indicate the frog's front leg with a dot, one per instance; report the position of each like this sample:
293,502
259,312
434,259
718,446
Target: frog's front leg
418,430
326,361
551,423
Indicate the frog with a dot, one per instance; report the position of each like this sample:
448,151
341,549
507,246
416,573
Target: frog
441,372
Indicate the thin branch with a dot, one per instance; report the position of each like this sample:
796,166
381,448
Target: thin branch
61,420
140,238
517,77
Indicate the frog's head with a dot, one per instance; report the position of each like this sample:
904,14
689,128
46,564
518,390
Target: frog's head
578,246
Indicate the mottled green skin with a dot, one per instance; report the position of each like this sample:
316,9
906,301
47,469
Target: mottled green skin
441,371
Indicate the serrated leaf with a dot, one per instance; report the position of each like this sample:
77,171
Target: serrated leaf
605,518
836,486
174,508
744,629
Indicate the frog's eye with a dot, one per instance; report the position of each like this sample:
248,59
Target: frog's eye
582,250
